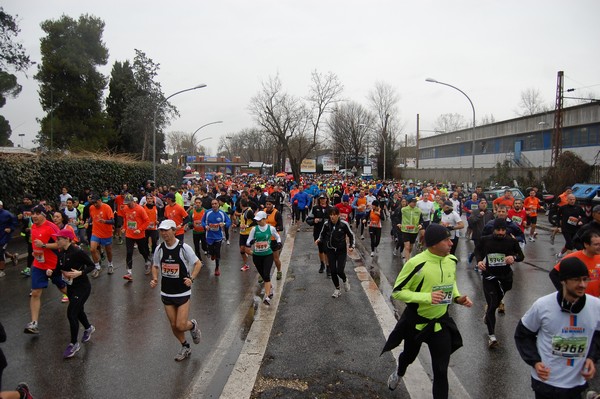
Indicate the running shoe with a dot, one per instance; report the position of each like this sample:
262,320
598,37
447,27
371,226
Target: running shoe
228,243
372,254
362,236
321,268
2,273
111,269
128,277
395,252
592,395
184,353
32,328
64,299
26,272
23,390
267,300
393,380
71,350
96,273
492,341
147,267
120,241
260,280
328,273
278,275
336,293
87,333
217,272
347,285
501,308
245,267
195,331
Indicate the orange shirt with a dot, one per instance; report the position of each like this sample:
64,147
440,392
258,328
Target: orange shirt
293,193
531,205
44,258
177,214
375,219
562,199
152,217
119,205
101,230
197,220
504,201
135,219
593,265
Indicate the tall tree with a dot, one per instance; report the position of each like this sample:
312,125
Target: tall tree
348,133
384,99
531,103
294,122
12,57
250,145
122,89
71,87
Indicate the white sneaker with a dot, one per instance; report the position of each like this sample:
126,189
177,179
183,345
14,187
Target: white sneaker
2,273
336,293
395,252
372,254
347,285
393,380
228,243
559,255
592,395
492,341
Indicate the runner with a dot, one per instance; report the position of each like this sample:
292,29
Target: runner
532,206
213,222
571,218
478,220
178,266
275,219
360,212
590,256
558,336
427,284
495,256
8,224
44,263
262,255
318,215
24,216
102,218
412,223
518,215
452,221
74,265
374,219
176,213
136,222
507,200
396,219
196,213
152,212
246,218
345,209
593,225
333,236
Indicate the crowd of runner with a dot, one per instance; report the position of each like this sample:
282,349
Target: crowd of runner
71,237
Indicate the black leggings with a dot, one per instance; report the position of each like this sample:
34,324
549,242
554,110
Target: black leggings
300,212
199,242
142,244
358,220
375,233
152,237
439,348
494,290
337,264
454,245
214,249
75,313
263,264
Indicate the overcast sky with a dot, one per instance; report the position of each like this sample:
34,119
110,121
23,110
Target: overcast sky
492,50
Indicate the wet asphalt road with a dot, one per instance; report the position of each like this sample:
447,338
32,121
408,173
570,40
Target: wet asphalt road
131,353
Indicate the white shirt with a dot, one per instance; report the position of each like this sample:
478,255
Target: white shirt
452,219
565,357
426,207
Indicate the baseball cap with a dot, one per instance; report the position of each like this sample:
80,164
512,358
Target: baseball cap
167,224
170,196
1,203
66,233
260,215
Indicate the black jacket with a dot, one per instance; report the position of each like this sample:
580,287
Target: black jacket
505,245
334,235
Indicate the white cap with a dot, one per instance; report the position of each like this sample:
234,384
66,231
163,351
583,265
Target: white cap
167,224
260,215
1,203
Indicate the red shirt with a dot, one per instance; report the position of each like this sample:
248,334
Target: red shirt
518,218
44,258
593,265
345,210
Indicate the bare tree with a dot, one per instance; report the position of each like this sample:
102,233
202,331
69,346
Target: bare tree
250,145
384,99
347,129
294,122
487,119
531,103
449,123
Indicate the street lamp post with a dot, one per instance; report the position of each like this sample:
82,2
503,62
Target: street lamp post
21,135
154,126
430,80
196,131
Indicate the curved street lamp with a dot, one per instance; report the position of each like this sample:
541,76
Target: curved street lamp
431,80
154,126
196,131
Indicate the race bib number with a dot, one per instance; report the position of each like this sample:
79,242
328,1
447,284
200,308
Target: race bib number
261,246
132,225
474,207
495,260
411,228
197,223
569,347
517,220
38,254
170,270
447,290
214,227
573,220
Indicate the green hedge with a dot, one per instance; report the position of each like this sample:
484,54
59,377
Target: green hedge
45,175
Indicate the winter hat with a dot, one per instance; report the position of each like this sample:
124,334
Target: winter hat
435,233
572,268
